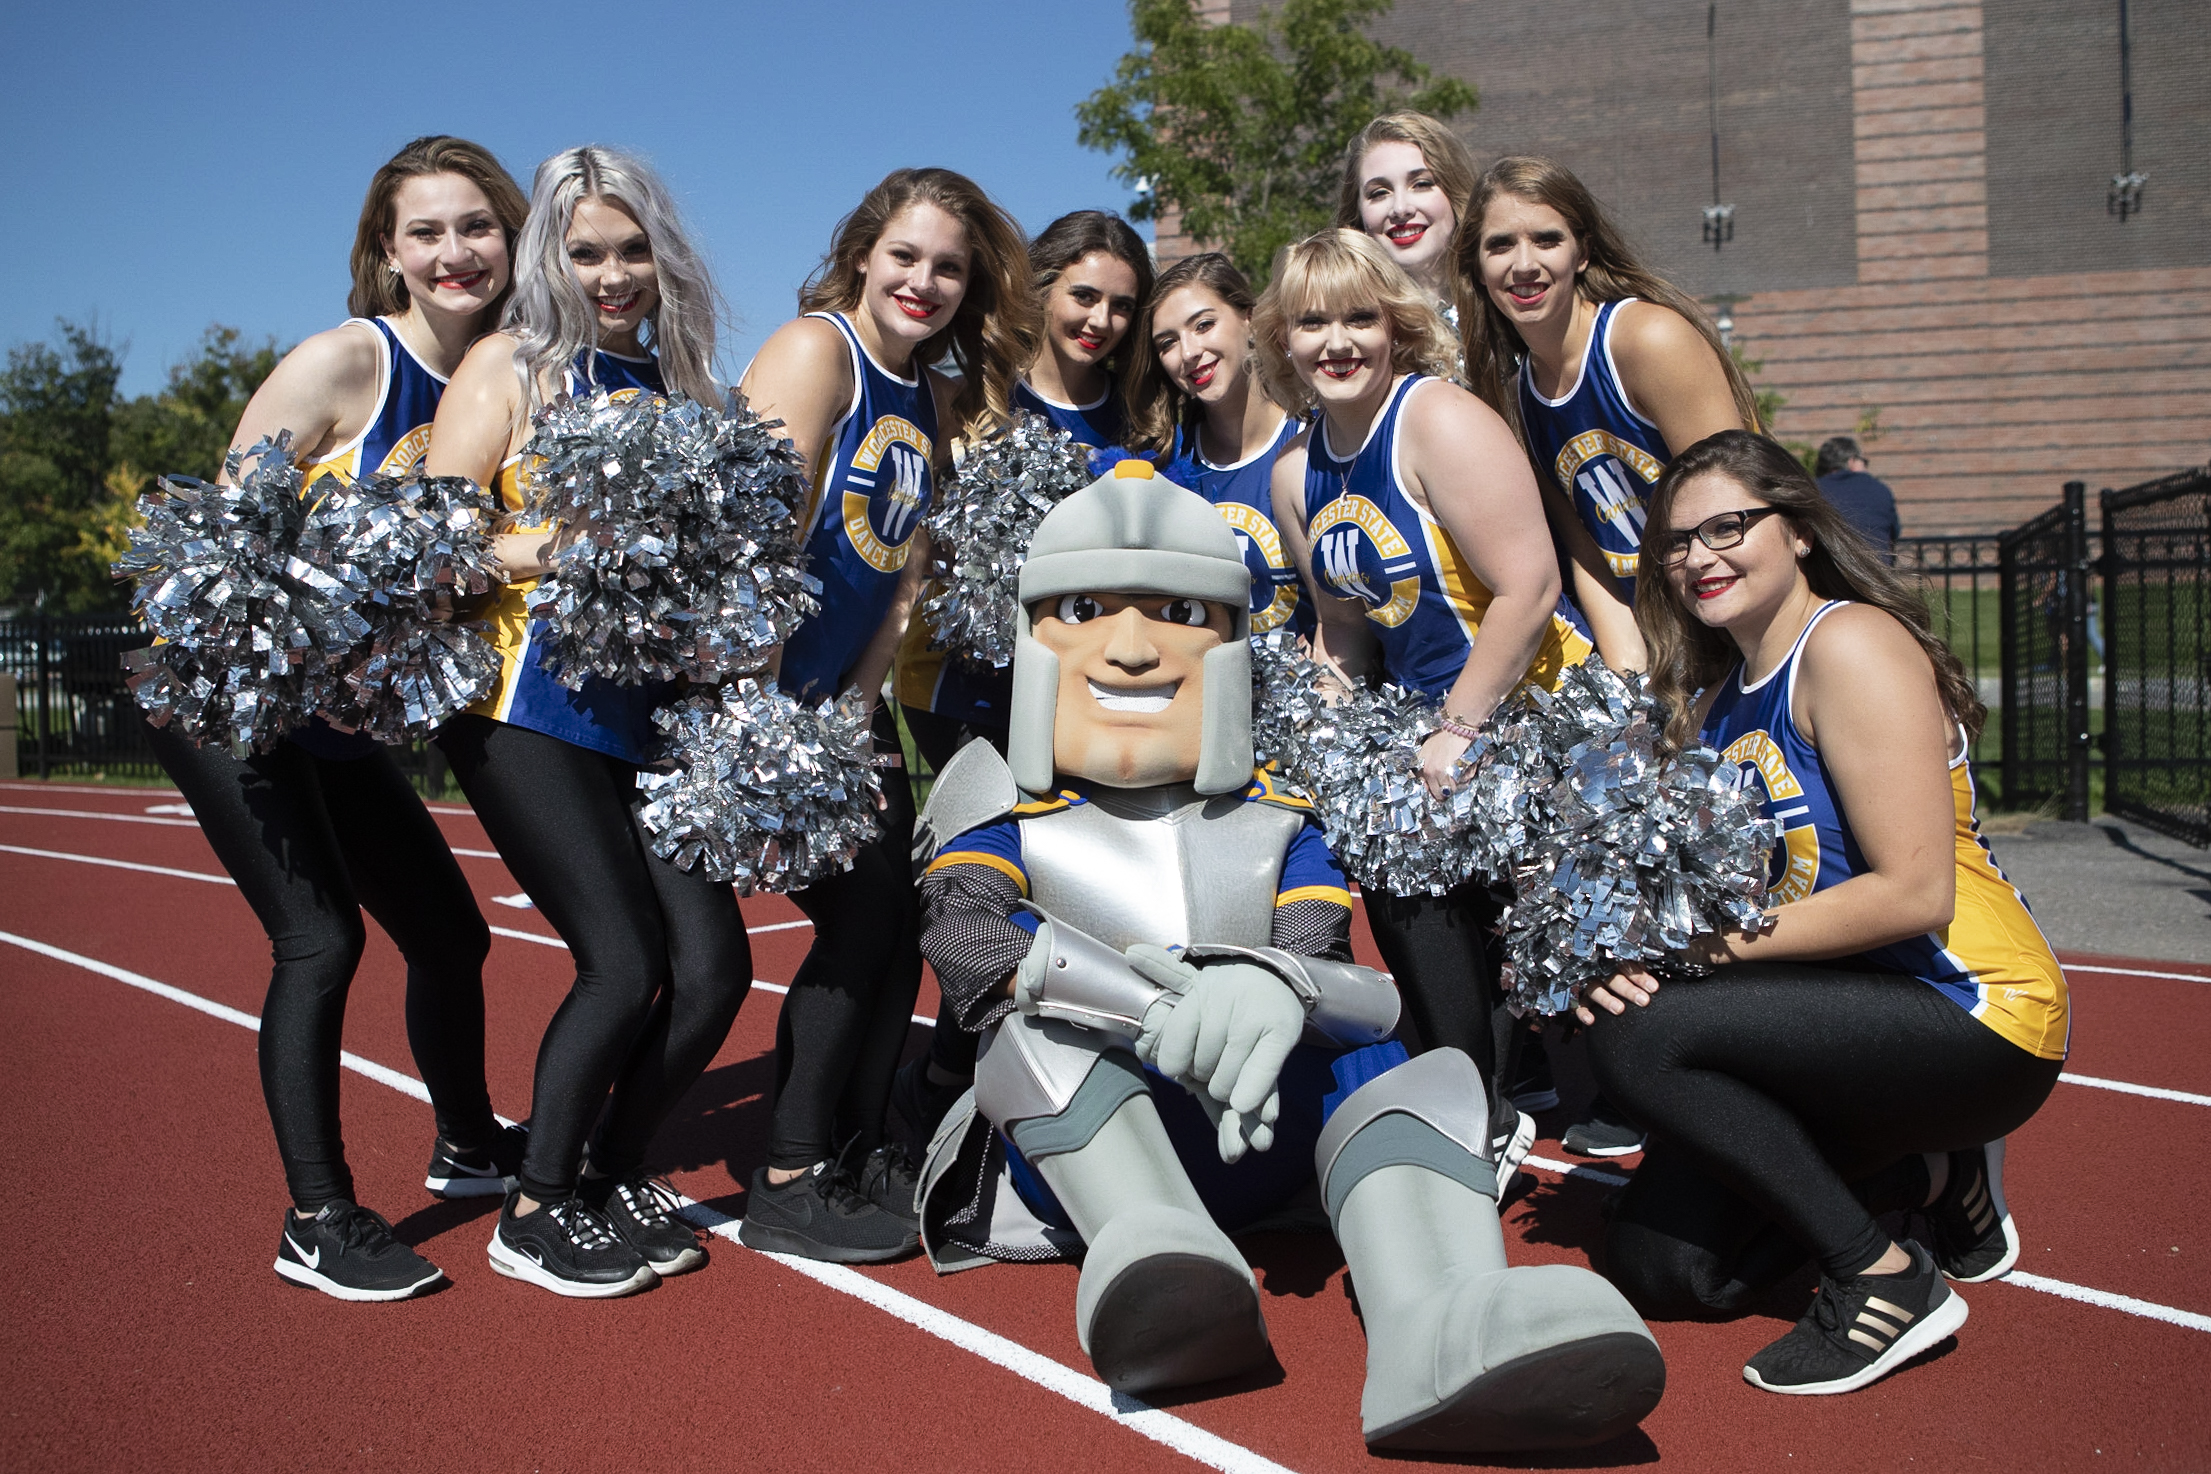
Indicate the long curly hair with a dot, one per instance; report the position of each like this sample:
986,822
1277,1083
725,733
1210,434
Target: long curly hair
554,322
1687,655
1494,347
1157,406
994,334
377,290
1344,268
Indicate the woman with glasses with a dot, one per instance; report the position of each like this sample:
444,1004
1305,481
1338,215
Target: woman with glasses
1897,1013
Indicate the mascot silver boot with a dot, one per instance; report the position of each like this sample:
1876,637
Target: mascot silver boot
1154,944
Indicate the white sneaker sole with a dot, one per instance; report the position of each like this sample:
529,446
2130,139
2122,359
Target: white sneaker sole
469,1187
1515,1152
1931,1329
521,1267
300,1274
1993,1165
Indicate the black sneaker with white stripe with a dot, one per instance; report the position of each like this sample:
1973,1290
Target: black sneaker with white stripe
486,1173
568,1247
1860,1329
1974,1237
349,1252
645,1210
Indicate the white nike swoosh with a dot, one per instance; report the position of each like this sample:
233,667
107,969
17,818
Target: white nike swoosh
312,1261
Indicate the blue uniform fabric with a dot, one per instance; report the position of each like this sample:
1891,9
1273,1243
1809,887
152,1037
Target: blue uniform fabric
1101,425
1244,494
871,491
1373,543
1603,454
391,444
603,717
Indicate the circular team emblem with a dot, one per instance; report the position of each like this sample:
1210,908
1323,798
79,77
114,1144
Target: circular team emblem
1793,871
1360,554
1273,580
1610,480
886,492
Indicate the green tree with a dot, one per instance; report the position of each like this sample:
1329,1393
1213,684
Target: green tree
1241,129
74,455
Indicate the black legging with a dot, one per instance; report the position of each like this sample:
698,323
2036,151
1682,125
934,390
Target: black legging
1438,949
851,1003
311,841
662,960
1769,1090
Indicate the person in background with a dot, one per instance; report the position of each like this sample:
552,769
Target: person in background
1864,500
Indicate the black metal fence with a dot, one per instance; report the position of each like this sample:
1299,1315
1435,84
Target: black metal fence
2046,566
1961,577
75,714
2157,679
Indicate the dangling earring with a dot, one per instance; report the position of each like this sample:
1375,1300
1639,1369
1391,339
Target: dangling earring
392,267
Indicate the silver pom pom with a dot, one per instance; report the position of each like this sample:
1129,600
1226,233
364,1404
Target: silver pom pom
984,518
689,560
246,627
402,549
1616,852
767,792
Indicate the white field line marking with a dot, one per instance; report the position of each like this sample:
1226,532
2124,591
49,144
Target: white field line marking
1184,1438
95,814
761,983
112,790
2136,972
520,936
2152,1091
2147,1309
1161,1427
1576,1170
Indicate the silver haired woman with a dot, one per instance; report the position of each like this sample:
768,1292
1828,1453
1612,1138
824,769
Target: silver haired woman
608,293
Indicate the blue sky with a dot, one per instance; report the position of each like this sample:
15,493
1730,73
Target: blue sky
181,165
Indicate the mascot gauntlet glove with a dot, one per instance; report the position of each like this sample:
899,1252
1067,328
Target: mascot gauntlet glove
1224,1038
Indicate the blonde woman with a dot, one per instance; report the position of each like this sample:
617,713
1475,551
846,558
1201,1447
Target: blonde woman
1406,182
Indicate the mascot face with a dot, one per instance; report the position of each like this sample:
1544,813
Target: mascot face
1131,702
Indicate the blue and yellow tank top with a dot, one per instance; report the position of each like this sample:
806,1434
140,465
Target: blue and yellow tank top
1991,960
872,488
1373,543
604,717
1243,492
1604,455
1099,425
393,441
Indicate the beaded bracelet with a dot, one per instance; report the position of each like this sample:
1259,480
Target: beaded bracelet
1445,722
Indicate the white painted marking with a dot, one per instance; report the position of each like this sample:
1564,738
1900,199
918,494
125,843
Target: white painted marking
753,931
95,814
2137,972
17,849
1579,1171
111,790
520,902
185,809
2152,1091
529,936
2147,1309
1165,1428
475,854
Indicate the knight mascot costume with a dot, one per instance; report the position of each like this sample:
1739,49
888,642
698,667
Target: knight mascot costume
1154,944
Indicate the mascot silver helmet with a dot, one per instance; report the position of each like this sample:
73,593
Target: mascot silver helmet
1133,532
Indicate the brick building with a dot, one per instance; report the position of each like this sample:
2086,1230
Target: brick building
1920,212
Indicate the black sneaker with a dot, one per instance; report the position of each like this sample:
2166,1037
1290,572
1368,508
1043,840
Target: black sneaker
567,1247
1533,1089
477,1174
1974,1237
888,1178
818,1215
347,1251
1604,1134
919,1105
643,1209
1509,1148
1860,1329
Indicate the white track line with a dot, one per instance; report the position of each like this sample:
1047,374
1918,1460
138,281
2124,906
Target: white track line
1161,1427
2136,972
2152,1091
113,790
2147,1309
96,814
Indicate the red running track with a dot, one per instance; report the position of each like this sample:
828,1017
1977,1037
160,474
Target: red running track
145,1329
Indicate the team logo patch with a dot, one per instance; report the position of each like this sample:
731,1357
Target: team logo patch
1793,872
1273,581
412,447
1594,467
1359,553
886,492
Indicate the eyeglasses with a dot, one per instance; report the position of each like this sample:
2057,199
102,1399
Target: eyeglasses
1717,533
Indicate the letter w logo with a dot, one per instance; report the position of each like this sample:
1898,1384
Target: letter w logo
1339,564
